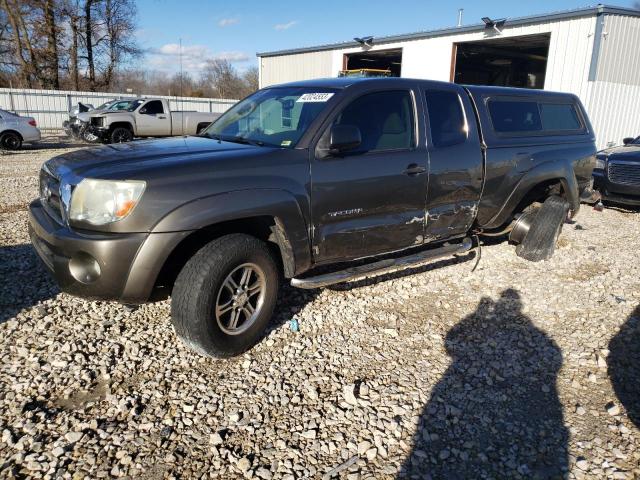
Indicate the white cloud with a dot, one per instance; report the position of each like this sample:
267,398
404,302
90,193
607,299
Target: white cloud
194,57
226,22
285,26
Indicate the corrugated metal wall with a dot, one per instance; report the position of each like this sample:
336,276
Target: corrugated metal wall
611,96
614,99
300,66
51,107
619,59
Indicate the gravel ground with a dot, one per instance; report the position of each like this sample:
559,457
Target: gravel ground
516,370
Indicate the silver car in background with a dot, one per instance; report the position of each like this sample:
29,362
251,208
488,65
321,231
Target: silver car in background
16,130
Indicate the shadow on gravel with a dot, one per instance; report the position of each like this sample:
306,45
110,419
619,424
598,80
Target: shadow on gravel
24,281
624,365
496,412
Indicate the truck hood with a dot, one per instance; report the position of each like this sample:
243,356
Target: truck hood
107,161
85,116
627,152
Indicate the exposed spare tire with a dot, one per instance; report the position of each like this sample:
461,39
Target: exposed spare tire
538,241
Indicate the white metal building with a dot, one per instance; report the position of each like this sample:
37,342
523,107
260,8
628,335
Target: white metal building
593,52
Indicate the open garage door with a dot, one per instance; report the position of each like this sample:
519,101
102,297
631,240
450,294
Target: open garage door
380,60
509,62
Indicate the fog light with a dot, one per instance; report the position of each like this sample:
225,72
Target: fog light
84,268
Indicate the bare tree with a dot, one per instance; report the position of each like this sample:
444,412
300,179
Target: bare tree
222,78
51,53
117,20
38,50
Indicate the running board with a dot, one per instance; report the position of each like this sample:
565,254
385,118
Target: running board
382,266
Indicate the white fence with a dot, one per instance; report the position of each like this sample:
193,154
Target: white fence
51,107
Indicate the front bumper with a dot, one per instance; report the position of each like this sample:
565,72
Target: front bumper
64,251
129,263
32,135
622,194
101,133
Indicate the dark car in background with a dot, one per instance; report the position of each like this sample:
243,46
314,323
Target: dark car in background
617,173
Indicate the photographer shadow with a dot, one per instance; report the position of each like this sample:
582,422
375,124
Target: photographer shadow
495,413
624,365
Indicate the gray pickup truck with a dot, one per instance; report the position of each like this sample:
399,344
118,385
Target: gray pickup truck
318,182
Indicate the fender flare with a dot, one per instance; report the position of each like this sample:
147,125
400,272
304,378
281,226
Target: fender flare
122,123
544,172
290,232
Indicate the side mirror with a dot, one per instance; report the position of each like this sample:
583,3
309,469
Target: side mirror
142,111
628,140
344,137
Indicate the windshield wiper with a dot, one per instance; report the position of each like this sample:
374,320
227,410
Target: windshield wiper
244,141
213,136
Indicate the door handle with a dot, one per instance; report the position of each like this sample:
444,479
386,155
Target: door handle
162,117
414,169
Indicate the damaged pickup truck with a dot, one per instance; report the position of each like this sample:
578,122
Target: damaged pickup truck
317,182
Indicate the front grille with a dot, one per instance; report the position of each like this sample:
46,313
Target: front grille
97,121
50,195
624,173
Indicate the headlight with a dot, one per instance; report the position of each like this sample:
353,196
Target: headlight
99,202
600,162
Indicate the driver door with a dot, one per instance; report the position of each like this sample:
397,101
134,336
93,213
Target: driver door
152,120
370,200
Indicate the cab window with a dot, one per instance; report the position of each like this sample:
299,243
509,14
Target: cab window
153,107
385,120
446,118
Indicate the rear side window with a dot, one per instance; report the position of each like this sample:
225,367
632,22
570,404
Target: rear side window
446,118
154,107
515,116
385,120
559,116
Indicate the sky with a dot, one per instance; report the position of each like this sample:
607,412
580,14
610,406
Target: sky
236,30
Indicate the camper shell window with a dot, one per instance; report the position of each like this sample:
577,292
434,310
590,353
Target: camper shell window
523,117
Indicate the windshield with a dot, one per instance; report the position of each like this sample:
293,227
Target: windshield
104,106
275,117
132,105
636,141
121,105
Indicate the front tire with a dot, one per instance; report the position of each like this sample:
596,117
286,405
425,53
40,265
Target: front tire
10,141
224,296
121,135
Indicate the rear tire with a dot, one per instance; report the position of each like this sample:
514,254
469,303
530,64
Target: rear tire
213,289
121,135
10,141
540,241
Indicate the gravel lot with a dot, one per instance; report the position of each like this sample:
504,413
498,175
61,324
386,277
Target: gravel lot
516,370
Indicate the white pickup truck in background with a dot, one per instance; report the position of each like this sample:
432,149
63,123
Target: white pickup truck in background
147,117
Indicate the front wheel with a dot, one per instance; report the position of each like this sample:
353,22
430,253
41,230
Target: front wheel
224,297
121,135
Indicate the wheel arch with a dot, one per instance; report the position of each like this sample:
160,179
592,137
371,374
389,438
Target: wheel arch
11,130
121,124
550,178
270,216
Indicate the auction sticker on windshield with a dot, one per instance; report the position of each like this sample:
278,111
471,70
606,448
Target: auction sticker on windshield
314,97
